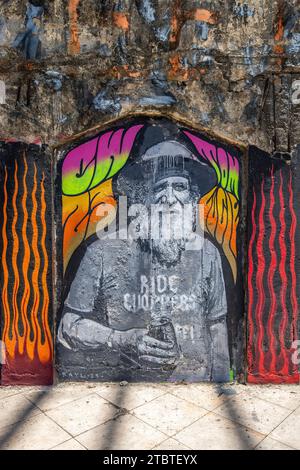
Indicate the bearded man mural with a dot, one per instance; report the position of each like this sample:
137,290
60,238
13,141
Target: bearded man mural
148,299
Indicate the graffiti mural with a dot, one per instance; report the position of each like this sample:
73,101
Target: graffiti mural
151,255
273,267
25,268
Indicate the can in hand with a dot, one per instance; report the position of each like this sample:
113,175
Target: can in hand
162,329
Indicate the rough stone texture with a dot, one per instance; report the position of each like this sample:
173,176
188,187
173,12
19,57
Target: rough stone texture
225,65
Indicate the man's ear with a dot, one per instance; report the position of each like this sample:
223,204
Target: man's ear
195,193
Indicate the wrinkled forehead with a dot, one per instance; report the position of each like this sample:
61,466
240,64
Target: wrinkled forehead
172,181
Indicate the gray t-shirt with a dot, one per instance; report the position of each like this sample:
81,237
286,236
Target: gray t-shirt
123,286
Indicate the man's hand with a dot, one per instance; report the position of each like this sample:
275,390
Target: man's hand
149,348
158,352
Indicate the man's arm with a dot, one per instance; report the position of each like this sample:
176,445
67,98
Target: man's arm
76,333
78,329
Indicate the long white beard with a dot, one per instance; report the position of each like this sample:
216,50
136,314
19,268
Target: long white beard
172,241
168,252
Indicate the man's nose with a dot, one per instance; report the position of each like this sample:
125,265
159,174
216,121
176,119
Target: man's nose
171,198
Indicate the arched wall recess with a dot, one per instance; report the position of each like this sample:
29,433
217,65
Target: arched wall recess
124,294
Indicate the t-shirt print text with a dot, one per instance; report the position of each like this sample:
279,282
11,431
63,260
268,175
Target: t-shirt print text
159,292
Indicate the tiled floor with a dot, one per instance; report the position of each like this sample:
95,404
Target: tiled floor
150,416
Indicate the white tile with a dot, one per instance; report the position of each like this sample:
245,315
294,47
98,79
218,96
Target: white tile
254,413
124,433
131,396
203,395
169,414
287,396
83,414
57,396
270,444
289,430
36,433
7,391
213,432
171,444
16,408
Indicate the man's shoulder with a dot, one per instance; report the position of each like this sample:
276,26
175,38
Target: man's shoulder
210,249
202,259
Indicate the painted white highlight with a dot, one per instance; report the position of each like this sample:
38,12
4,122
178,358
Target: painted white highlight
2,352
296,92
296,353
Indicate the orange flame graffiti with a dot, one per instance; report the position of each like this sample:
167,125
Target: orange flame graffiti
15,254
45,349
221,214
26,258
35,273
26,330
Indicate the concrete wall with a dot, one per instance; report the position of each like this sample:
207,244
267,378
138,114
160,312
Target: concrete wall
225,71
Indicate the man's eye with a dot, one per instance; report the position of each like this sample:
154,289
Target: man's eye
160,188
180,187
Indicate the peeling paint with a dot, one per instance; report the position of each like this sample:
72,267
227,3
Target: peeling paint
202,30
146,10
253,67
29,41
105,51
278,48
294,45
54,80
177,72
120,20
163,100
162,33
205,15
102,102
74,44
243,10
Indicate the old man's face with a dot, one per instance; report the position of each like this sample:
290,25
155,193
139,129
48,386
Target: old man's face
171,197
173,190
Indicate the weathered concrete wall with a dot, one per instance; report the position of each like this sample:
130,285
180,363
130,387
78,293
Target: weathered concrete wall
225,65
229,68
